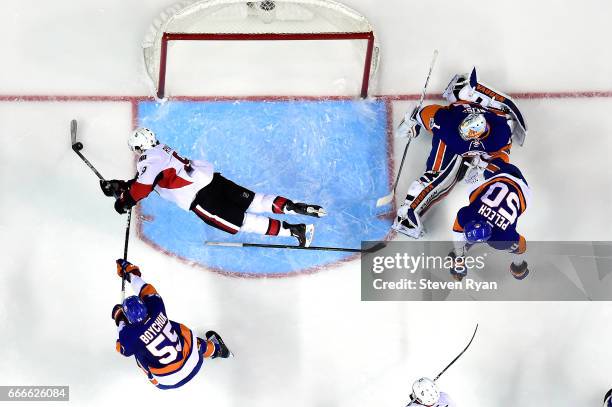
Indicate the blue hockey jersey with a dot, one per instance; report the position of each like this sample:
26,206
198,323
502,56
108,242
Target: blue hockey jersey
500,200
165,350
444,121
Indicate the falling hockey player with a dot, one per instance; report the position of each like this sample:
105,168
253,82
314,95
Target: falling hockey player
425,393
194,186
168,352
479,122
492,215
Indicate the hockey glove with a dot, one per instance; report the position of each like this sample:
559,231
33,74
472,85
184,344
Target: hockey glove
126,268
114,187
409,127
118,314
124,202
458,269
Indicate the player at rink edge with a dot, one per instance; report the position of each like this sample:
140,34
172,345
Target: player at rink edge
168,352
194,186
468,128
491,217
425,393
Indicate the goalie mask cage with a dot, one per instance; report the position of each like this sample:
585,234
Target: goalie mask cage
279,20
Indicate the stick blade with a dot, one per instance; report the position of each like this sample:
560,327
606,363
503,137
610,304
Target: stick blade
385,200
73,130
76,145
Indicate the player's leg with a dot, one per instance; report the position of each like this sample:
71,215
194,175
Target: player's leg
264,203
213,347
223,205
443,170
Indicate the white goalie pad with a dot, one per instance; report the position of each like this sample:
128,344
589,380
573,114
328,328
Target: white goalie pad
464,87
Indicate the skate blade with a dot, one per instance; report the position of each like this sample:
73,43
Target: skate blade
316,212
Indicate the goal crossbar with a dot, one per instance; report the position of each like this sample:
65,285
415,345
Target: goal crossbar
167,37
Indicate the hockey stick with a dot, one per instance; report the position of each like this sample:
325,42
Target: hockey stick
372,249
125,251
412,399
458,356
388,198
77,146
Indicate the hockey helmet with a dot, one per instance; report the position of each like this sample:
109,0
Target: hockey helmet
473,126
425,391
134,309
477,231
141,140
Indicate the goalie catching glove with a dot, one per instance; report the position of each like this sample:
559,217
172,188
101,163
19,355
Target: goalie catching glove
126,268
409,126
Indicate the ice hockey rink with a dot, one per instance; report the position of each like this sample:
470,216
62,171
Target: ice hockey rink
302,337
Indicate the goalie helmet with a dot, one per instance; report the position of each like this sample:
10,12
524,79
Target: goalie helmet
473,126
141,140
477,231
425,391
134,309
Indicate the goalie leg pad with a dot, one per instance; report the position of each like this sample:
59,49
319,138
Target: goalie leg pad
434,186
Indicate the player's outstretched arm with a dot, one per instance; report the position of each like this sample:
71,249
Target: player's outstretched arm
134,277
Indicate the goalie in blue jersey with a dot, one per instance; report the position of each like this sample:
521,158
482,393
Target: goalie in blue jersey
479,124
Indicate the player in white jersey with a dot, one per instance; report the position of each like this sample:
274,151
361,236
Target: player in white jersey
194,186
425,393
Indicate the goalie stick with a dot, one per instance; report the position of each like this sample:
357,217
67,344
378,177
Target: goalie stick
388,198
372,249
77,146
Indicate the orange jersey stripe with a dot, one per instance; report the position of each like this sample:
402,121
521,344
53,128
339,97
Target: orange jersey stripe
427,113
479,190
147,290
457,227
503,153
171,368
439,156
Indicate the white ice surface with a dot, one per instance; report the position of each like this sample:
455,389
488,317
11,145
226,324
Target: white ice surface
303,341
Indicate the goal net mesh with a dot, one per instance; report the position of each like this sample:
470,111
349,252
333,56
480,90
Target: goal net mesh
250,21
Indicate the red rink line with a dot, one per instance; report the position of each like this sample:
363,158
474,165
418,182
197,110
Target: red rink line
136,99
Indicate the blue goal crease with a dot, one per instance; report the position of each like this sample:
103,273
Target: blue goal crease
332,153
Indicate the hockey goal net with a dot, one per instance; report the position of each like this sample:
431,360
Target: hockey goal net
176,45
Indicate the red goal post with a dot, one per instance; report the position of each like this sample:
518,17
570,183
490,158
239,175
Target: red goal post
278,20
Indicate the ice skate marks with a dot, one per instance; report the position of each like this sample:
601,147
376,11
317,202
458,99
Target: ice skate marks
330,152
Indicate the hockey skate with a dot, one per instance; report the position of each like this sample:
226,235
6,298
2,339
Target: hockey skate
303,233
221,351
298,208
519,272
